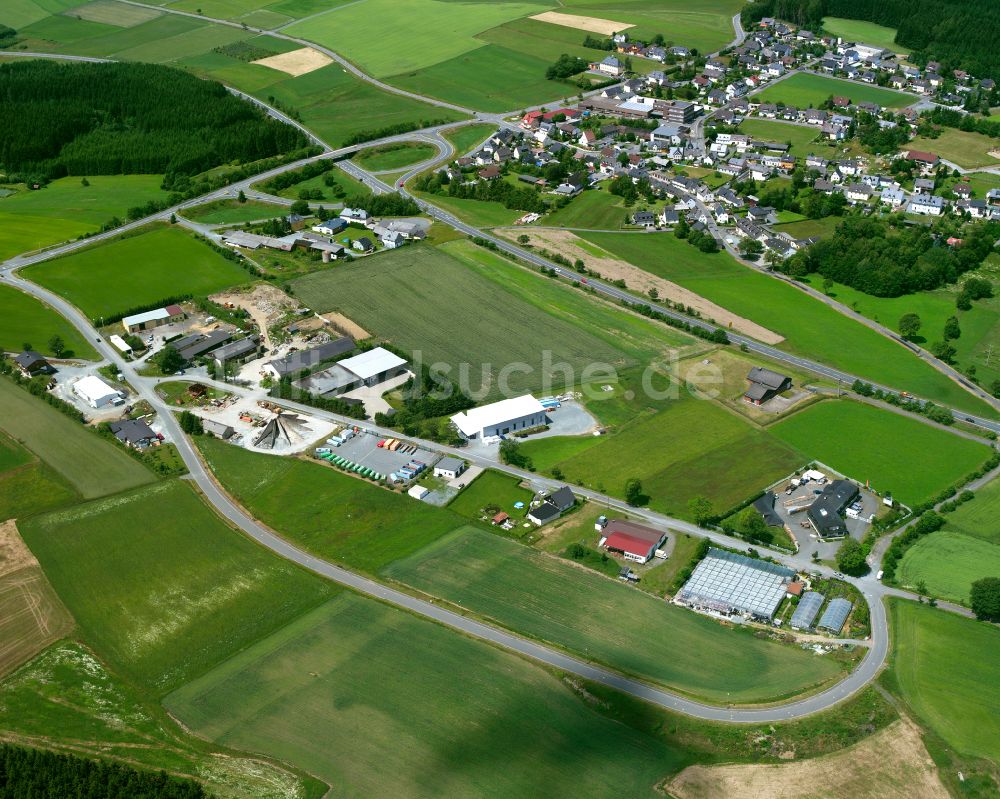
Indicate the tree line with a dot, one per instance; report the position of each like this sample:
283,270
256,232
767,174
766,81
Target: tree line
961,34
39,774
110,119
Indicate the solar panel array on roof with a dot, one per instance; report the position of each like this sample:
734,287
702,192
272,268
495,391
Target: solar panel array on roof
836,614
726,582
808,607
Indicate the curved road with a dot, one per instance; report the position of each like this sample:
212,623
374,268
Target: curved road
873,591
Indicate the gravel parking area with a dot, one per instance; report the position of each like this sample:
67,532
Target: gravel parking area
363,449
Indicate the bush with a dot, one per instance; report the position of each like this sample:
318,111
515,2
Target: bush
984,599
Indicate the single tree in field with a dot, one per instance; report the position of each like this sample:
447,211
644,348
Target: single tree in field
951,329
523,239
909,325
241,196
57,346
984,598
633,491
84,182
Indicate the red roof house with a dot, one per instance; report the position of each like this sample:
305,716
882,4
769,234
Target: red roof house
921,157
633,541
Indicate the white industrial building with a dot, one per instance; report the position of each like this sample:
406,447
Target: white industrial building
95,392
374,366
500,418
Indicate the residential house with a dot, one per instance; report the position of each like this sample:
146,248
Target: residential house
354,215
925,205
363,244
31,363
133,433
765,384
330,227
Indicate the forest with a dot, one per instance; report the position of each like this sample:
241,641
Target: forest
961,34
110,119
879,258
37,774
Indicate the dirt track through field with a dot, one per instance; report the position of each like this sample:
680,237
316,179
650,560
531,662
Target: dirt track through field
14,555
892,764
593,24
297,62
566,243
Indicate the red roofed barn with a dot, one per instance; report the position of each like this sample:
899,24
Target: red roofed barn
632,541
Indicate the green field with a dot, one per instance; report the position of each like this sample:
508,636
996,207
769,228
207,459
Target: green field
978,518
591,210
93,466
135,271
227,212
389,157
471,79
325,511
855,30
449,296
944,665
949,563
478,213
806,90
25,320
20,13
965,148
413,34
379,703
491,488
161,587
65,209
897,453
674,452
466,137
601,619
806,228
802,139
67,700
811,329
27,485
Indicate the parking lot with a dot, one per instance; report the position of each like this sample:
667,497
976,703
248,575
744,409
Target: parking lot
364,450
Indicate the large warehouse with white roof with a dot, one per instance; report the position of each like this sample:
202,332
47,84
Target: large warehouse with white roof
500,418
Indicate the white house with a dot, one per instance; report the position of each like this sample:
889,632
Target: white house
96,393
449,468
500,418
609,66
354,215
926,205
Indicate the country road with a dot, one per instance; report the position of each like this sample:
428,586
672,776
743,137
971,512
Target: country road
873,591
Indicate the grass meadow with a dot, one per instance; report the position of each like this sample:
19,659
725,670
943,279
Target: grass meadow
479,213
66,209
601,619
136,270
949,563
388,157
28,485
810,328
69,701
467,137
965,148
25,320
898,454
802,139
978,518
678,452
226,212
326,512
380,703
492,488
855,30
591,210
807,90
93,466
449,296
942,664
161,587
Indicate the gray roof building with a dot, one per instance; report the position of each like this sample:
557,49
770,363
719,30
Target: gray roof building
836,614
295,362
805,613
825,512
201,344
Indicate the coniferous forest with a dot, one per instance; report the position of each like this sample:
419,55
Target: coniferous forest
37,774
109,119
961,34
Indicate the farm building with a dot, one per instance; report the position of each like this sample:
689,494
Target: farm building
826,512
95,392
246,349
764,505
805,613
765,384
500,418
197,344
133,433
835,615
150,319
449,468
291,365
725,582
374,366
217,429
632,541
31,363
120,344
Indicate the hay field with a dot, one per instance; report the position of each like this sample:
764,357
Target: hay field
605,27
